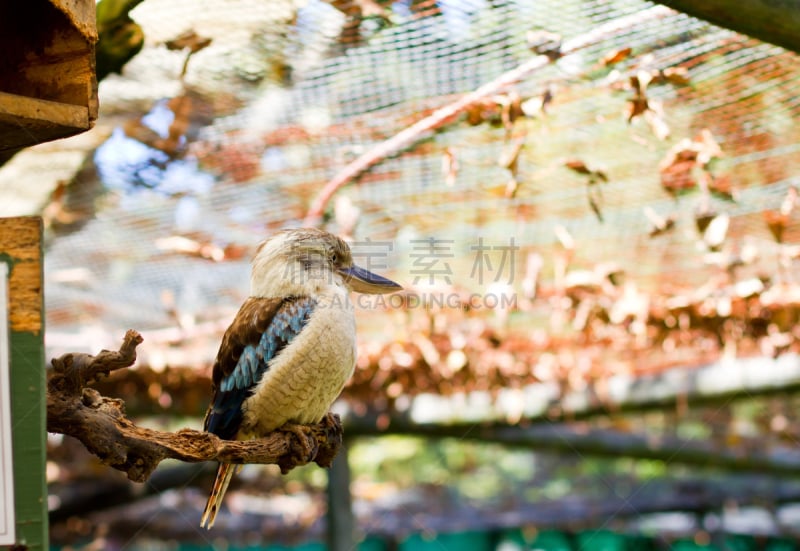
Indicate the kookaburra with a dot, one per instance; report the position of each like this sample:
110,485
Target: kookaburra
292,345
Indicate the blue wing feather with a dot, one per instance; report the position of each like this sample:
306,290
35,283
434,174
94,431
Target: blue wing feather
251,341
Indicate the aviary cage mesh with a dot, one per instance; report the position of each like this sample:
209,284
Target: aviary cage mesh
643,185
287,94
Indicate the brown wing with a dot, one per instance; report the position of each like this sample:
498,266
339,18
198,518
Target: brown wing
224,416
247,327
261,329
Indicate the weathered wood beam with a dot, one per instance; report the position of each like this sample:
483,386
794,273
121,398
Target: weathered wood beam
576,512
48,88
773,21
724,381
582,440
27,121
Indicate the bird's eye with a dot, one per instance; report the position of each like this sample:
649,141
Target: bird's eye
334,258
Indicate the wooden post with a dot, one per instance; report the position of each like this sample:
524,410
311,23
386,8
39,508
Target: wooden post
21,252
341,525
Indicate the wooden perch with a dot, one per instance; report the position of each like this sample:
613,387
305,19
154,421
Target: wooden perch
101,425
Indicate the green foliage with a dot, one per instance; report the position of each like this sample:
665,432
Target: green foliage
473,470
120,38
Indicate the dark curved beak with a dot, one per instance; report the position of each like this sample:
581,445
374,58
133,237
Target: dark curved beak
364,281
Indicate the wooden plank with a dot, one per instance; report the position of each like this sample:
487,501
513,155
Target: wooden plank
47,72
20,246
46,57
82,15
21,251
27,121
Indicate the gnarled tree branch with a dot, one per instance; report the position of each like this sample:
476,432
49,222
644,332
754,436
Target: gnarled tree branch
101,425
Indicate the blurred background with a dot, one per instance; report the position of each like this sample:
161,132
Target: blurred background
596,347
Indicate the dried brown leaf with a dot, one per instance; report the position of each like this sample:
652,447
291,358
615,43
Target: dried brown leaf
449,167
703,218
721,186
544,43
659,224
640,105
483,110
509,157
615,56
512,186
361,9
635,107
594,205
547,98
511,109
776,223
188,40
676,75
579,166
677,167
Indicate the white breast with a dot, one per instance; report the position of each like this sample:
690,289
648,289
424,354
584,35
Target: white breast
306,377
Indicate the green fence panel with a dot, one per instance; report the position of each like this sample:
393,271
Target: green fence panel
464,541
738,542
372,544
545,540
607,540
691,545
781,545
21,251
311,546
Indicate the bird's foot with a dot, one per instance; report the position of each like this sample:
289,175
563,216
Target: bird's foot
329,447
304,446
332,422
318,443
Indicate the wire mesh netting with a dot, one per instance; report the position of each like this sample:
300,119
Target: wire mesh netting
632,195
597,143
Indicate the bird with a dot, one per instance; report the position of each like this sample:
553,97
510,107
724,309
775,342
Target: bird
292,345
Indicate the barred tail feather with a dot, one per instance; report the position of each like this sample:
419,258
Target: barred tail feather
225,472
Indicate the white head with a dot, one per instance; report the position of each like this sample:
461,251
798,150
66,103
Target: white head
305,261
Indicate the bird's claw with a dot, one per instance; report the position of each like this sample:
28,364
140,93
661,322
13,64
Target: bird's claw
332,440
304,447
